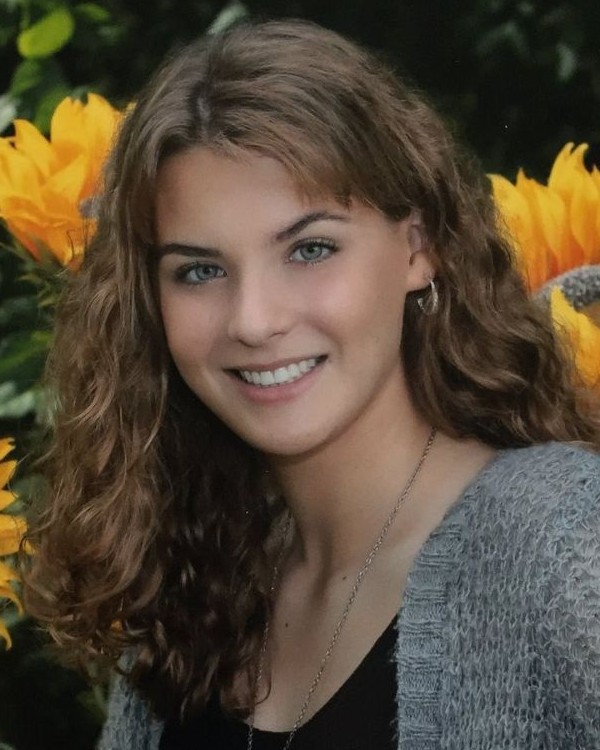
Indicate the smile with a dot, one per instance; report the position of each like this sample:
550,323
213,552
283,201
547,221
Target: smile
280,375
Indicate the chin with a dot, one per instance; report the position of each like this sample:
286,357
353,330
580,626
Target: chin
284,444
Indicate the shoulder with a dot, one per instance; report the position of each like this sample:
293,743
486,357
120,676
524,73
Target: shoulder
532,508
531,529
556,464
553,485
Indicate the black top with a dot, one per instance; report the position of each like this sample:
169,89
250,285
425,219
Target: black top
360,716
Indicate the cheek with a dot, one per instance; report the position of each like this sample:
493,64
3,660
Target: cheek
188,331
369,299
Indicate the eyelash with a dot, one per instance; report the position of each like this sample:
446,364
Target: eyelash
328,245
183,272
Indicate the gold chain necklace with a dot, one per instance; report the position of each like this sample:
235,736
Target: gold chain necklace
345,612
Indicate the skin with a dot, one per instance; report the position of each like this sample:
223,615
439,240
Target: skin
343,440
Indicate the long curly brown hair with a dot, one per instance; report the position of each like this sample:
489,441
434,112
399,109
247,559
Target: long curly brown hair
156,531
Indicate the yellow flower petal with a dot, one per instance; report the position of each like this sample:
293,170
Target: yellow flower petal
584,210
86,131
548,210
580,193
5,634
66,127
6,592
66,185
102,123
583,335
6,498
12,529
516,216
18,175
60,225
514,208
566,168
7,469
28,140
6,446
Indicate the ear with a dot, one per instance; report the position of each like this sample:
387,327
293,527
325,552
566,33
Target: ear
420,265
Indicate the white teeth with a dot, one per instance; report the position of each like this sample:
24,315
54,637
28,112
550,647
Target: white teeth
281,375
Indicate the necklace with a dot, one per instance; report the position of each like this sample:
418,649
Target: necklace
347,607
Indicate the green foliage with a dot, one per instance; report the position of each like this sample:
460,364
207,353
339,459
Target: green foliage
25,333
232,13
43,706
517,78
36,88
24,339
48,35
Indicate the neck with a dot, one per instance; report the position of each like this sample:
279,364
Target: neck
341,495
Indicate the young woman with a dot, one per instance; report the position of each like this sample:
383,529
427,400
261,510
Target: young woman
313,477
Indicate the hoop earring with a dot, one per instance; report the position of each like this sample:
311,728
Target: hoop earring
429,304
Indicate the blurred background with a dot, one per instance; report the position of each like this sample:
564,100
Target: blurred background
515,79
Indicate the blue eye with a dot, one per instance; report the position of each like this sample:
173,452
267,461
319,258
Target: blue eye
313,251
199,273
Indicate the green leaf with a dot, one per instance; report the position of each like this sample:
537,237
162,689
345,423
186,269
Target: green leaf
48,35
231,13
28,75
507,36
567,61
92,12
11,4
22,356
8,110
14,405
32,81
526,8
9,24
18,311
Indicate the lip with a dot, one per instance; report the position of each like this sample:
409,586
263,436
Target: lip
277,393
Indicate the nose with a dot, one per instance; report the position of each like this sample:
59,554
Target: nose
259,310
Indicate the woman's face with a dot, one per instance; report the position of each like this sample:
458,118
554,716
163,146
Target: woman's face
282,314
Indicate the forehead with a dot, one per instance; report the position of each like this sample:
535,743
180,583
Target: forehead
201,187
211,171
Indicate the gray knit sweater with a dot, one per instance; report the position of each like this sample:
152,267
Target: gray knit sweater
498,640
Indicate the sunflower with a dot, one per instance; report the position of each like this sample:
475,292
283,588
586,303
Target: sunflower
553,227
47,187
12,528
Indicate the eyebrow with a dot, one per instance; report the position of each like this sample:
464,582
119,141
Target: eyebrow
194,251
190,251
304,221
